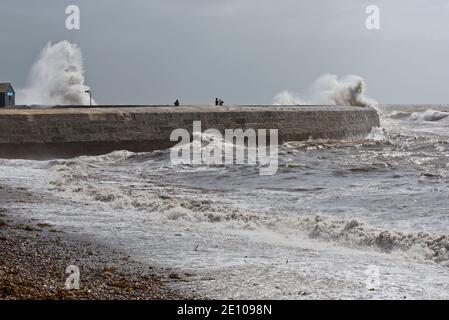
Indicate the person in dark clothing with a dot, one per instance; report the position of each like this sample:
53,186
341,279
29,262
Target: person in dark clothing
221,102
177,103
217,101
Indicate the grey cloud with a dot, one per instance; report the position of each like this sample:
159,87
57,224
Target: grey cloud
153,51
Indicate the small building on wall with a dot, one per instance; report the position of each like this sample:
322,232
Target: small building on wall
7,95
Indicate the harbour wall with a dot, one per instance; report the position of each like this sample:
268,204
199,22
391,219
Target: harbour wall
66,132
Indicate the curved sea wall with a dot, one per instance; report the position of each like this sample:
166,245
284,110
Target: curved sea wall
72,131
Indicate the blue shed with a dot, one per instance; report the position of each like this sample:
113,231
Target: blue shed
7,95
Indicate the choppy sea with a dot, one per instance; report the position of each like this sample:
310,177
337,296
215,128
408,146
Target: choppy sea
366,219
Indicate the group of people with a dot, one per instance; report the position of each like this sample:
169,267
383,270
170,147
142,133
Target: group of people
218,102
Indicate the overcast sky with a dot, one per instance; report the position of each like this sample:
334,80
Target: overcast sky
246,51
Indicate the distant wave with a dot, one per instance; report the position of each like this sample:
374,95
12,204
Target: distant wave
429,115
331,90
399,115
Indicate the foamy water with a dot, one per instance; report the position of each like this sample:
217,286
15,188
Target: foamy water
333,211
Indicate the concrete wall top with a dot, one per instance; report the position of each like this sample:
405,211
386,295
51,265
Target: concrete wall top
171,109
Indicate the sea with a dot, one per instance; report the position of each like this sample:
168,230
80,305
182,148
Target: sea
366,219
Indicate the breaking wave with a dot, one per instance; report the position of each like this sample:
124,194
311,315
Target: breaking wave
378,135
356,234
56,78
330,90
78,179
206,142
429,115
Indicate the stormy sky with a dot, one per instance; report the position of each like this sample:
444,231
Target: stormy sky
246,51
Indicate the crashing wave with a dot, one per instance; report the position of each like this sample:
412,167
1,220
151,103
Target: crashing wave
330,90
377,135
57,78
429,115
356,234
73,178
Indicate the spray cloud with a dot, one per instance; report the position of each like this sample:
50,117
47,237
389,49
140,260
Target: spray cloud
329,89
56,78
